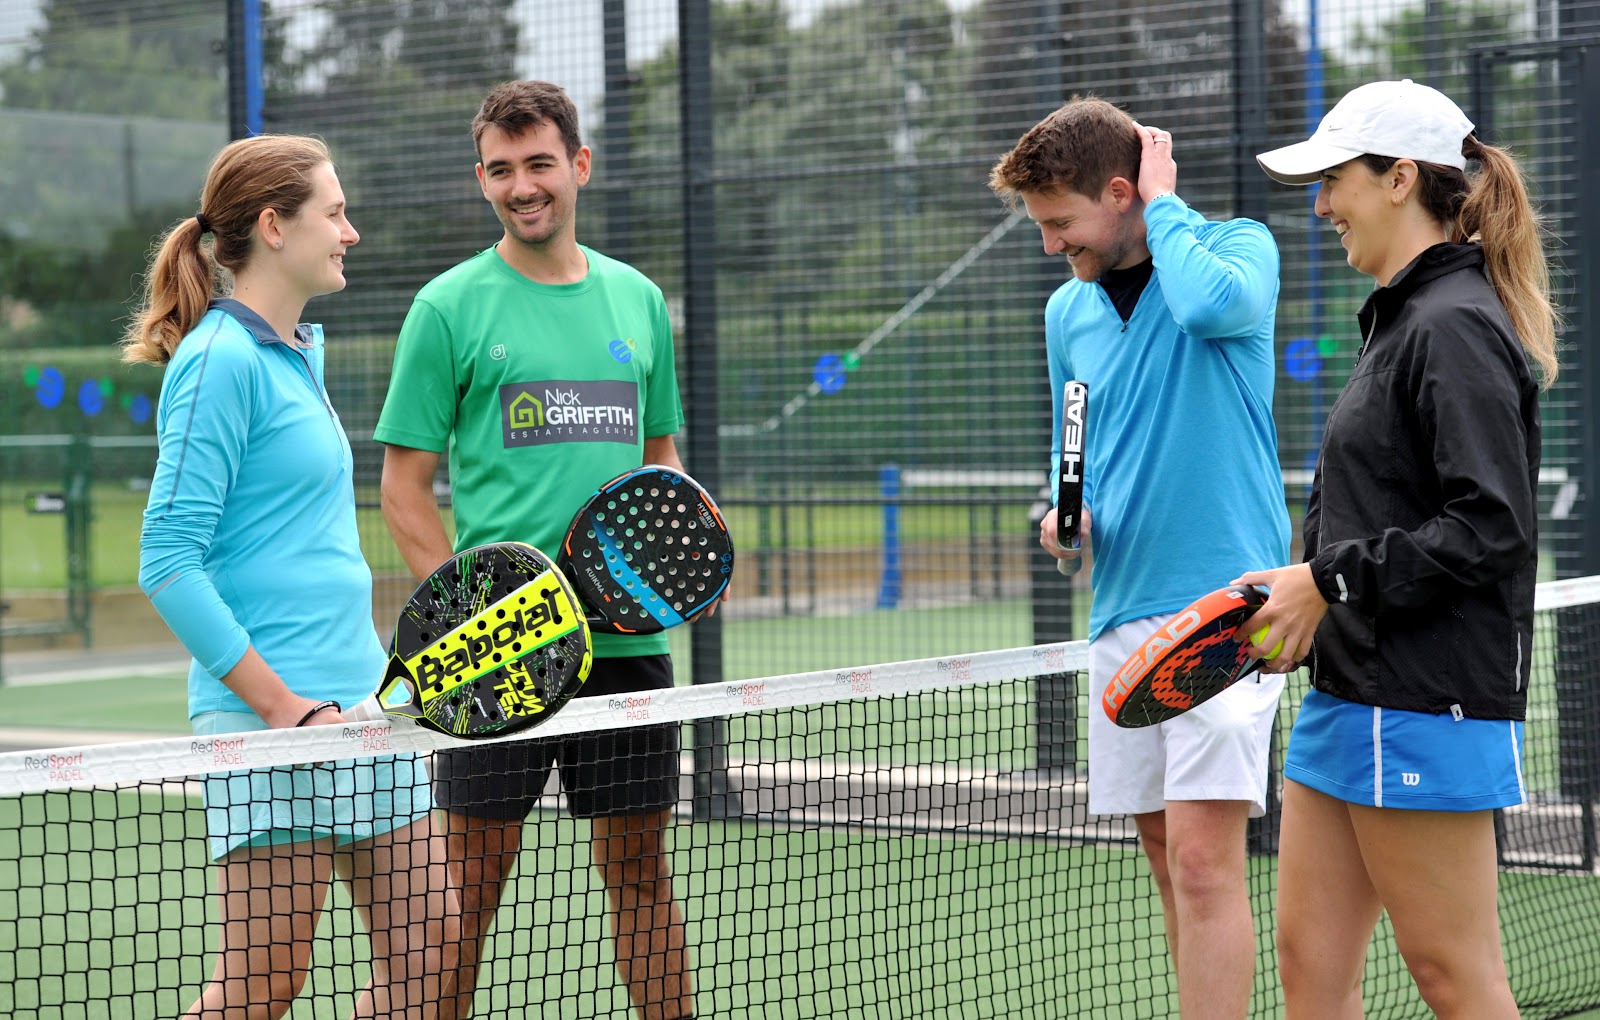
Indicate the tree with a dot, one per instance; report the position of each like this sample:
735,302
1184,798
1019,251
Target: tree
111,114
393,87
109,57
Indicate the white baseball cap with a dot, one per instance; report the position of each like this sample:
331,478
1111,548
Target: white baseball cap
1399,119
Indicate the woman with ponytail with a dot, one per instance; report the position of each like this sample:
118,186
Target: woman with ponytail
1414,604
250,553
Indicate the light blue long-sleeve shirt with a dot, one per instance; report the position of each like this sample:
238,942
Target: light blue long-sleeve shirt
250,532
1181,472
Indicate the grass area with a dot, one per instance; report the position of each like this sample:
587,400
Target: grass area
102,897
33,546
148,704
753,648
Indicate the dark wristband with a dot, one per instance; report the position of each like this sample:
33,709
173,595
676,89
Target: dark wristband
326,704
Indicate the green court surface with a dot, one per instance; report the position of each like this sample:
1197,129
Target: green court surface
781,922
753,648
33,546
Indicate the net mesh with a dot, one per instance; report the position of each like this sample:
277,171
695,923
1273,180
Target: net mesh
894,840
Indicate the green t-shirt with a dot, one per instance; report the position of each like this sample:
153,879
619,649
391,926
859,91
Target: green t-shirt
542,392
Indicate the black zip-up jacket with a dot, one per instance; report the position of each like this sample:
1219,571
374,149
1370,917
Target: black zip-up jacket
1421,531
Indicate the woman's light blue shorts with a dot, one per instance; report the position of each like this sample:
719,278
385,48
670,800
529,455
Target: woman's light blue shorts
349,800
1387,758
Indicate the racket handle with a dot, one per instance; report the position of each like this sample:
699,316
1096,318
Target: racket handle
1067,568
367,710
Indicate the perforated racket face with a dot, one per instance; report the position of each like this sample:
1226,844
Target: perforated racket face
648,551
494,642
1192,659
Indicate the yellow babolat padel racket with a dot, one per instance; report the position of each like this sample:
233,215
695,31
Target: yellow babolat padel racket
494,642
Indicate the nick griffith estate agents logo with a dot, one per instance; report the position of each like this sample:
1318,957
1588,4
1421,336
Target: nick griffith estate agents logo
569,411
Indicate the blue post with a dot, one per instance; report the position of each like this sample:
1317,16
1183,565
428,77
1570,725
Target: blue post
889,583
254,65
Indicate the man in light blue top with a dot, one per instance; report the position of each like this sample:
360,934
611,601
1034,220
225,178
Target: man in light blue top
1169,320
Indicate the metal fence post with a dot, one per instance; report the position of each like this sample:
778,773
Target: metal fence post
715,796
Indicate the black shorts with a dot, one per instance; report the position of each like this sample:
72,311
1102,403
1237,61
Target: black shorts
629,771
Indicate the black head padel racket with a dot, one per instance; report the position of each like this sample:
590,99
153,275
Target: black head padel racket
1069,487
495,641
1191,660
649,551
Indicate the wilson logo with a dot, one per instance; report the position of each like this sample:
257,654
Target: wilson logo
1411,778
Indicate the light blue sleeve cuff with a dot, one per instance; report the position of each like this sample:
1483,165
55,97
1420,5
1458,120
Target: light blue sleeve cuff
196,614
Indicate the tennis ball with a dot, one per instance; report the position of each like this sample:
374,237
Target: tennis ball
1259,638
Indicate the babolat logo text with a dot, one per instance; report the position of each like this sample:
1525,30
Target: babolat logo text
569,411
530,617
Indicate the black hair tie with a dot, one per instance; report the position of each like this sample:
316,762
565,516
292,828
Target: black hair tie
205,224
326,704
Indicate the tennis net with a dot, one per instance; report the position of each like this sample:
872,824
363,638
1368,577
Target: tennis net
878,841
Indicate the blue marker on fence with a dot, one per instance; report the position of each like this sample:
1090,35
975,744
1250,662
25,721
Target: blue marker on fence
889,583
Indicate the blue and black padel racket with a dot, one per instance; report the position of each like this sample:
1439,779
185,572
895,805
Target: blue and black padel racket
648,551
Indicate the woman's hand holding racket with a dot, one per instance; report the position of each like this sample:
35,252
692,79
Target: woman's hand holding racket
1293,611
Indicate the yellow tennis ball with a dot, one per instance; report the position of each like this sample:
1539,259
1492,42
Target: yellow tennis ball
1259,638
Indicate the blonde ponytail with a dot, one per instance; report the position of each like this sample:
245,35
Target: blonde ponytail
1497,211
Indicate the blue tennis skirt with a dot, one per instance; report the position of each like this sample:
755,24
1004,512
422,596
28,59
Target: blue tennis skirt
349,800
1384,757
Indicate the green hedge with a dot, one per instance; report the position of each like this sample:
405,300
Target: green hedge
121,395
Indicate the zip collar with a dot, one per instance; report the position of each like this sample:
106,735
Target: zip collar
1437,261
305,333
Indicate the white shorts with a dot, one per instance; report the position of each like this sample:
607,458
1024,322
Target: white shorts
1217,751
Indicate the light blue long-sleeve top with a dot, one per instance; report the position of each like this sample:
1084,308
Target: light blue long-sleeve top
250,533
1181,472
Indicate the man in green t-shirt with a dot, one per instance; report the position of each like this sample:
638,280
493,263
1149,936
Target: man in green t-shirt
547,370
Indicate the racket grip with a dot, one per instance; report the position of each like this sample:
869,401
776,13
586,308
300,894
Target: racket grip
367,710
1067,568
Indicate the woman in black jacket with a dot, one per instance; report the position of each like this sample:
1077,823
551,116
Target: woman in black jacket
1421,555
